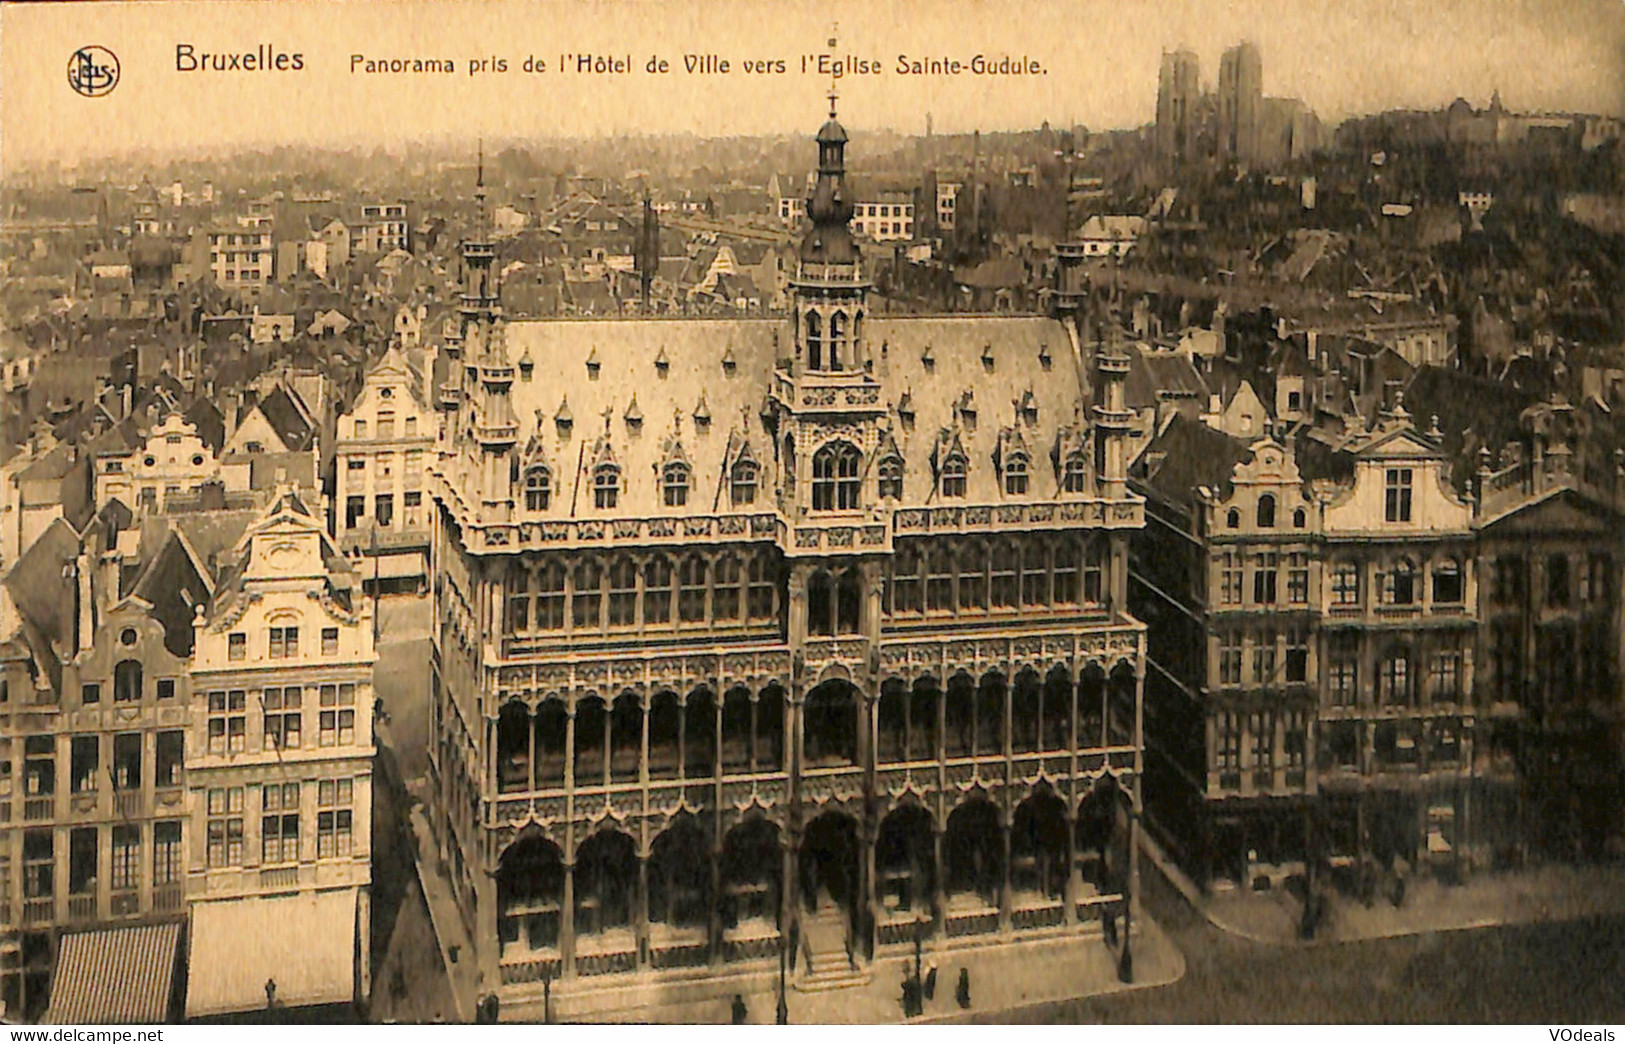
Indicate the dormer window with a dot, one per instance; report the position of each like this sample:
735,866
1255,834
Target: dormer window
538,489
606,486
987,357
1015,475
905,411
592,365
527,366
954,470
891,478
1044,358
1266,511
835,477
674,484
634,416
928,359
742,484
1073,474
662,363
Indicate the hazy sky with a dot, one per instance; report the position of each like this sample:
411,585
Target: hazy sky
1100,57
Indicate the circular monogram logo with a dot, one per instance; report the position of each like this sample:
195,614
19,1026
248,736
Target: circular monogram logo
93,71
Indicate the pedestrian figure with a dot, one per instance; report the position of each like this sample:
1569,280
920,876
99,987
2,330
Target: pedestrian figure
962,991
739,1010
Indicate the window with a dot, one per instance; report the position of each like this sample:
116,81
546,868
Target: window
1297,578
1342,677
1264,570
166,852
166,689
1447,585
728,593
284,643
127,761
763,587
1297,656
225,826
538,489
411,426
330,641
1299,518
1399,586
691,590
1064,575
354,509
742,482
127,682
1229,578
1230,659
1261,725
891,478
835,477
1005,592
674,485
1015,475
1266,511
1264,659
90,692
1034,574
333,818
905,582
171,758
39,766
383,508
606,486
1227,758
386,425
227,721
85,763
360,428
39,864
1397,501
657,590
1444,681
337,722
126,870
939,581
1232,519
279,826
1072,475
972,578
1346,584
284,719
83,845
1394,679
953,476
1557,581
550,598
623,594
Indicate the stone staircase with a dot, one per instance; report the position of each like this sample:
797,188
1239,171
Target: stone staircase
826,965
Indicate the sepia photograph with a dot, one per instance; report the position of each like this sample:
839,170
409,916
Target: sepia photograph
811,513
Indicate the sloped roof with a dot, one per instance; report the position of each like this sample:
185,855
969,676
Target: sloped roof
41,588
1192,455
286,418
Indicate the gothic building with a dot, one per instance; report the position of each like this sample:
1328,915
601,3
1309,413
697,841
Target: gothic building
770,644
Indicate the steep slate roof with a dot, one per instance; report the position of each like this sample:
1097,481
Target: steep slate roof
42,588
668,397
1193,455
286,418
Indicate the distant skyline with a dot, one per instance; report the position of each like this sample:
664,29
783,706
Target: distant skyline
1101,57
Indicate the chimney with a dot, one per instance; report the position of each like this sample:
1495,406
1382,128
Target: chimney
84,592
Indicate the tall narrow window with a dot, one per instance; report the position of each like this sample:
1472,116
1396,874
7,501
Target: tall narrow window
606,486
743,482
674,485
584,611
1266,511
691,589
538,489
657,581
1072,475
623,592
953,476
1397,495
890,473
1015,475
836,477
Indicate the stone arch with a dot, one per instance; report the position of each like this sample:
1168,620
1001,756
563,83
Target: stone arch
752,873
665,735
679,874
530,891
625,737
1120,700
973,849
959,715
905,863
1026,712
1092,706
513,748
1056,727
924,714
991,694
606,880
591,741
699,734
829,862
1039,845
830,724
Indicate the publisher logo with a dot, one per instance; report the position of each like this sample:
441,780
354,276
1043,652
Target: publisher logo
93,71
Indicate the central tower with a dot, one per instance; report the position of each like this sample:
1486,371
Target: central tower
829,286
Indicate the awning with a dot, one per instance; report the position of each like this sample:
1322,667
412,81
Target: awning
139,960
302,944
393,566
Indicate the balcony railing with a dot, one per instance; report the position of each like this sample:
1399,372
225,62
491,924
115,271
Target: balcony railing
280,877
81,908
169,897
128,803
39,911
39,808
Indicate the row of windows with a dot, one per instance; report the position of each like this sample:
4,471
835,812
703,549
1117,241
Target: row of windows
1264,516
281,836
84,854
1397,681
1266,571
128,686
624,593
1401,584
85,763
282,717
1012,573
1275,658
1568,580
1255,734
282,643
386,427
383,509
